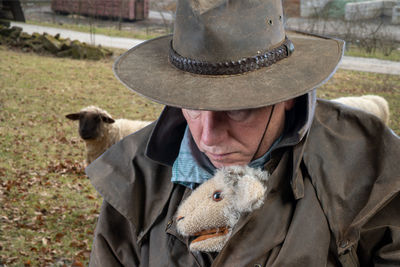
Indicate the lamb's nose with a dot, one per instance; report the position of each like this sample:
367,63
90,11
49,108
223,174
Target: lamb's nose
179,218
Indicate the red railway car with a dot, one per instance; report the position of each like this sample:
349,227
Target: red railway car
126,9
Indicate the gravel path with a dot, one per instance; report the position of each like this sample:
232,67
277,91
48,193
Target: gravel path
350,63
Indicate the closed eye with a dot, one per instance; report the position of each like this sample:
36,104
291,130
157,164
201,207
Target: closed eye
239,115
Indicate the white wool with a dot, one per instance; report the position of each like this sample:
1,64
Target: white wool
197,219
243,190
373,104
126,127
111,134
94,109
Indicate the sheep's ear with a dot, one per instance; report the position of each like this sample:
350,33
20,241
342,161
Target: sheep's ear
73,116
107,119
249,193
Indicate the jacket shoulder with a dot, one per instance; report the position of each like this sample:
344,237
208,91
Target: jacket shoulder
122,153
351,157
339,116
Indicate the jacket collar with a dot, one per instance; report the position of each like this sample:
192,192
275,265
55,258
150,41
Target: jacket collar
165,140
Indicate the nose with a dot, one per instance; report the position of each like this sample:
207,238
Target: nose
212,128
86,134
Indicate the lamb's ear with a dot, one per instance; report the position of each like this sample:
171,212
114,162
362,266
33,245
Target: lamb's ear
249,193
107,119
233,174
73,116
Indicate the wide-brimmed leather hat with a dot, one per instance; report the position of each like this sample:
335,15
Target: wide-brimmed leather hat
227,55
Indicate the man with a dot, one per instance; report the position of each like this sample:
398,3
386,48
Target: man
238,90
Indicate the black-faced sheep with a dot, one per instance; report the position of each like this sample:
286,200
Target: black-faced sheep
100,131
374,104
213,209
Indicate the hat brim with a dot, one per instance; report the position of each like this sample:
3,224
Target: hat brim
146,70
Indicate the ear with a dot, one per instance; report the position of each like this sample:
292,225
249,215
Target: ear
249,194
289,104
73,116
107,119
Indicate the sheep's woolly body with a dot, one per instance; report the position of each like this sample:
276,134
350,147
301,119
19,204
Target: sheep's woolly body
111,134
373,104
126,127
242,190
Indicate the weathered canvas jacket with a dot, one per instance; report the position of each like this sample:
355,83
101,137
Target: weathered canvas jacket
333,200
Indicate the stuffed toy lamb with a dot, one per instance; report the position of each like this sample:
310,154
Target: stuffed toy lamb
213,209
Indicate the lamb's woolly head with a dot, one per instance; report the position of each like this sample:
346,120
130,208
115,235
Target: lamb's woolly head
96,110
213,209
91,121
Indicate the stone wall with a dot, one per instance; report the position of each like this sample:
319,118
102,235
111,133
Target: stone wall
396,15
370,9
45,43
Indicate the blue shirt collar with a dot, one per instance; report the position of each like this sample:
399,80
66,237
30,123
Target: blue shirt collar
186,171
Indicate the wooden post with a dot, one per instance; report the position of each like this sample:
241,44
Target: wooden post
15,7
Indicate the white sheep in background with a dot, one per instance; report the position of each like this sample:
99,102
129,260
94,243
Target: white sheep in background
100,131
374,104
213,209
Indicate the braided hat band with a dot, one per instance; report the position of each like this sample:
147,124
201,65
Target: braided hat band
231,67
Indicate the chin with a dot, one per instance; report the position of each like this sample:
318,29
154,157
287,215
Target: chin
226,164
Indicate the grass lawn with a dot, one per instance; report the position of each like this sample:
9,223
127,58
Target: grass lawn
49,209
355,51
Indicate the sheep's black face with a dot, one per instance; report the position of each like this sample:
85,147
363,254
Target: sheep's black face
89,126
90,123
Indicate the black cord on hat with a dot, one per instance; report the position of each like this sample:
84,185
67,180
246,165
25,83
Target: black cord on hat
265,131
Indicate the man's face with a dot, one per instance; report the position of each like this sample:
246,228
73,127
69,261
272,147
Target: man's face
232,137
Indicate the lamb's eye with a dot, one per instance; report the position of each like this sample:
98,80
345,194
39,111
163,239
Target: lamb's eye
217,196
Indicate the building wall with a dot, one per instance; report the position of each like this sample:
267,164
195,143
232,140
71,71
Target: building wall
309,8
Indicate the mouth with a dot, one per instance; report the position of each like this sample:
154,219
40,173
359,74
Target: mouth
218,156
87,138
210,233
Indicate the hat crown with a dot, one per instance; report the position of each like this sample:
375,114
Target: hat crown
226,30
